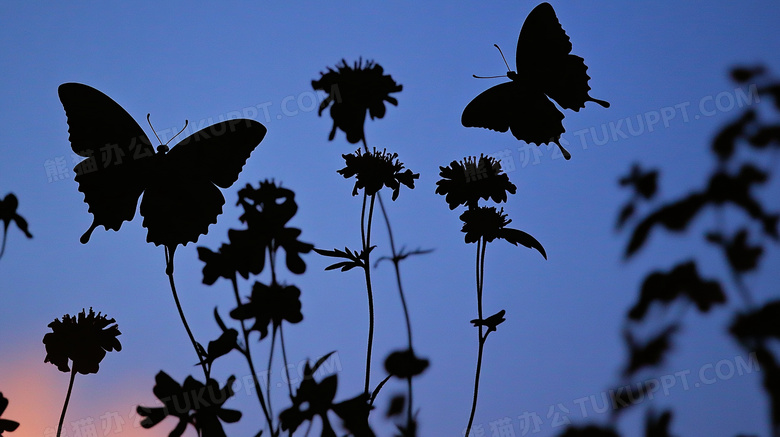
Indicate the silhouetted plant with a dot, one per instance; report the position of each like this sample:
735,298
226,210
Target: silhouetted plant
8,214
267,210
6,424
464,184
83,340
194,403
181,198
731,183
351,93
372,172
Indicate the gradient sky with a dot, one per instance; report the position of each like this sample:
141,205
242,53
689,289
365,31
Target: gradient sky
198,61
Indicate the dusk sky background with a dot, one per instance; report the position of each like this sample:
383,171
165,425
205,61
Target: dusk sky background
561,341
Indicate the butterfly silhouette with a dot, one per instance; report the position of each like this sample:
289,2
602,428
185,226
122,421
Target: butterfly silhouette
180,194
545,68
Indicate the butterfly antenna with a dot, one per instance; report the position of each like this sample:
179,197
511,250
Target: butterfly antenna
182,130
148,120
502,57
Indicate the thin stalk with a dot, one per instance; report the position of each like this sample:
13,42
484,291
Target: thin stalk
397,267
366,234
248,355
480,283
284,357
169,271
268,380
272,262
67,399
5,237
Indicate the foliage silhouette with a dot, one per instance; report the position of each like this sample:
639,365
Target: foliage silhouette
545,68
6,424
267,210
644,185
193,402
731,183
315,399
8,214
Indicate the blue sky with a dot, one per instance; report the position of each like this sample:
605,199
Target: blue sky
561,341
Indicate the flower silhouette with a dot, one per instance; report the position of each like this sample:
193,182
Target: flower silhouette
192,403
316,399
465,182
351,92
375,170
5,424
488,223
268,304
267,209
84,340
405,364
643,182
220,264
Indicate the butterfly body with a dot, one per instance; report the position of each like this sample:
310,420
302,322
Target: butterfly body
545,70
179,184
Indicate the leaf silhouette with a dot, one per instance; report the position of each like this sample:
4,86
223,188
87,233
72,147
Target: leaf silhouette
725,142
405,364
741,256
682,281
644,183
354,259
650,353
625,213
6,424
491,322
675,217
758,324
658,425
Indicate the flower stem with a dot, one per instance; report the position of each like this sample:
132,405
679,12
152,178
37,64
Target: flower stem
169,271
268,379
366,237
67,399
480,282
284,357
5,237
248,355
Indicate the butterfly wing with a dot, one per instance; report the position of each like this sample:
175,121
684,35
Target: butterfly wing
181,200
528,113
543,57
116,151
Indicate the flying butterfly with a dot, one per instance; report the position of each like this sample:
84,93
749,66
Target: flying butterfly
179,185
545,68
